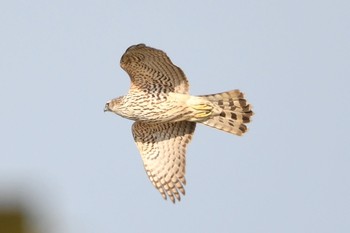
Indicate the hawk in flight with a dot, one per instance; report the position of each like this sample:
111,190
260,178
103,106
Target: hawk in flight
165,115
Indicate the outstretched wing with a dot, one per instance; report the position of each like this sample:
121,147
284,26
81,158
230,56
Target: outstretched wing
152,71
163,149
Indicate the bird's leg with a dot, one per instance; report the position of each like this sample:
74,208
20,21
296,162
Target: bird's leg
204,110
194,108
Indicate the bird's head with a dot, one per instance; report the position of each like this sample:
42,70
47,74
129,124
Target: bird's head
114,105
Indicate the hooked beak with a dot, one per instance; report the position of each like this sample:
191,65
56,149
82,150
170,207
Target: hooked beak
106,107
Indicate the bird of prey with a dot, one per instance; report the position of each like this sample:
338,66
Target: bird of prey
165,115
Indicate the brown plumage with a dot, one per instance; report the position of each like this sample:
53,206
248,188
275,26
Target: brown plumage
235,112
165,115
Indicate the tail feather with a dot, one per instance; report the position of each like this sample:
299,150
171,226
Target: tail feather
236,111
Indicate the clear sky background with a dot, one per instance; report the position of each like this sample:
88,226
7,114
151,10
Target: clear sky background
77,168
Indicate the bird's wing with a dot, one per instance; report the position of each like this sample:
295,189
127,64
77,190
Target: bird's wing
151,70
163,149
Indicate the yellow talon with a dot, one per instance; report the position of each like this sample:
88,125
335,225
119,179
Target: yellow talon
202,107
202,115
204,110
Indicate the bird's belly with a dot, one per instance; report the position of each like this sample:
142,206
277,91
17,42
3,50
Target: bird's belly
156,110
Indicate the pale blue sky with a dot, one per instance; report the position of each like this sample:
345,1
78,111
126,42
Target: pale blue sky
59,64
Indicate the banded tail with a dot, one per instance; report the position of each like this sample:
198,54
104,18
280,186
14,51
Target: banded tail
236,112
